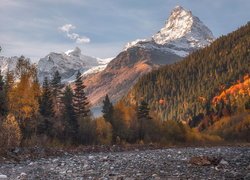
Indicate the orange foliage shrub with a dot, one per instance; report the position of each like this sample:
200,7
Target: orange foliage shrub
240,89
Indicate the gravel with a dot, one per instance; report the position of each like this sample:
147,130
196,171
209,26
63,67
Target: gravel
172,163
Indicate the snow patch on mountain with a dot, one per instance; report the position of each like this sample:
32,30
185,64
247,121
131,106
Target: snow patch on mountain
133,43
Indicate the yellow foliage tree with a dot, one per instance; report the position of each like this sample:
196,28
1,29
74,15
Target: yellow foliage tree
10,134
23,97
103,131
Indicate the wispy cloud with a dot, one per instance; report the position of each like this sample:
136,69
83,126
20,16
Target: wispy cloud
67,28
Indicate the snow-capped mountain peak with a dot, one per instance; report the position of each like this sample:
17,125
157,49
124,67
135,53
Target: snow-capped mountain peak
68,63
177,25
182,23
182,33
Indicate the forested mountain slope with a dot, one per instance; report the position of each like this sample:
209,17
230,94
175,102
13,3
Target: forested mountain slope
185,89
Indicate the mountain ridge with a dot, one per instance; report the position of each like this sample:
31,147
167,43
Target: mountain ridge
66,63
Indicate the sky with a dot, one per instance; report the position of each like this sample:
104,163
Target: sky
101,28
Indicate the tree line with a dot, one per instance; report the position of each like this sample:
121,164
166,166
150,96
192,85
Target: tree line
54,114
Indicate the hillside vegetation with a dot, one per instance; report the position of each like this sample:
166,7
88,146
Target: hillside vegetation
185,90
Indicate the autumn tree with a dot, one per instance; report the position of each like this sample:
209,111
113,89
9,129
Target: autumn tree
22,96
10,134
103,131
119,124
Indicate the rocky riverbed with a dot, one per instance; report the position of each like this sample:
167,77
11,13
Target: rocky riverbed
172,163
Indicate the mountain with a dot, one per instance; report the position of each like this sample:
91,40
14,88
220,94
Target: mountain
185,91
68,63
7,63
182,34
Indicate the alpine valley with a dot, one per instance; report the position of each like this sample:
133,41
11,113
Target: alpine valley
175,105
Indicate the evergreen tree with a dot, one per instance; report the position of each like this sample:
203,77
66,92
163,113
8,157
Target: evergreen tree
80,101
56,87
70,121
46,109
46,102
143,118
107,110
9,80
1,81
3,100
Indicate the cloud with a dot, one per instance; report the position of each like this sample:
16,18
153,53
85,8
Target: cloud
67,28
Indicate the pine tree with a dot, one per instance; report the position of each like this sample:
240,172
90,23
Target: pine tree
143,117
46,102
107,109
3,99
46,110
9,80
56,87
80,101
70,121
